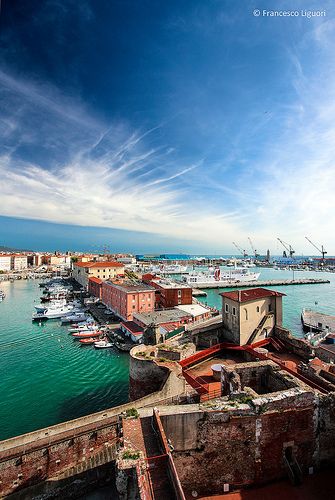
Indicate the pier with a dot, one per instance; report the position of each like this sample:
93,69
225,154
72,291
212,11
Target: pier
254,284
314,321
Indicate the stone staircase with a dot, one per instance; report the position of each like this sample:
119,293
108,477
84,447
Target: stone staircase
259,328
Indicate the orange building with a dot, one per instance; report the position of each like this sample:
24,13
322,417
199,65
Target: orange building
169,293
126,298
95,286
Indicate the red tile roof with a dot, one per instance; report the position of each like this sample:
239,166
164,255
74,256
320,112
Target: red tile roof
95,280
99,264
250,294
132,327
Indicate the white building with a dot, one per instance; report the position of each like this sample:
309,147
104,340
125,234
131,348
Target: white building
19,262
5,262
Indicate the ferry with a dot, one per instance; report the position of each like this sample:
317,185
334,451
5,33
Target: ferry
217,278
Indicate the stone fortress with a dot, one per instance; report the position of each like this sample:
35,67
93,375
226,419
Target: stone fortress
228,407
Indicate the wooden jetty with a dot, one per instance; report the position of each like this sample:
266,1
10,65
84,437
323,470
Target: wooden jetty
314,321
256,284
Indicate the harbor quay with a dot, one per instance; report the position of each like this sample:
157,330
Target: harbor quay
248,284
233,388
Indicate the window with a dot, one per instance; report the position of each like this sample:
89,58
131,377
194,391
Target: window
234,311
257,309
246,313
179,293
270,307
226,308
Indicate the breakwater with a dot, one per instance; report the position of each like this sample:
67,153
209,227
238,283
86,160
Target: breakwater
254,284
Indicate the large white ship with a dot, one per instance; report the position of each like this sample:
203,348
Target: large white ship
218,278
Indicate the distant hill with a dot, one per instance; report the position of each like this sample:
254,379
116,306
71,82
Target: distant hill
9,249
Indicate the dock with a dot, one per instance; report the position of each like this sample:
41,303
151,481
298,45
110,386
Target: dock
314,321
256,284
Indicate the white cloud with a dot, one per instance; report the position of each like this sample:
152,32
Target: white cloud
115,177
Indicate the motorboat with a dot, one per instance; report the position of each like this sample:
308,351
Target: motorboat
84,335
2,295
103,344
88,341
84,328
53,312
72,318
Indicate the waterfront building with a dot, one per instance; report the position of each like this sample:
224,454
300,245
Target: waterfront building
5,262
95,287
168,319
197,311
251,315
169,293
132,330
125,298
19,262
104,270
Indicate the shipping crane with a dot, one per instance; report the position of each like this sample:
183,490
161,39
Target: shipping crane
243,252
253,248
287,247
321,250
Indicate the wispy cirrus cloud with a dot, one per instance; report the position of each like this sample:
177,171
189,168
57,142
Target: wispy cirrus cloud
112,178
273,175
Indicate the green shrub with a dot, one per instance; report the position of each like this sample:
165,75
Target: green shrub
132,412
130,455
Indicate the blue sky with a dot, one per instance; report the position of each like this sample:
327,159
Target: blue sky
166,125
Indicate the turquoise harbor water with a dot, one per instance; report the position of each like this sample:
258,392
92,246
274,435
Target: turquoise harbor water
47,377
319,297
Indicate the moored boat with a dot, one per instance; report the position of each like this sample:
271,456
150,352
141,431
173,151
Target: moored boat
216,277
88,341
84,335
103,344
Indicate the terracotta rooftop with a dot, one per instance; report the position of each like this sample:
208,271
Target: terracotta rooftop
95,280
250,294
99,264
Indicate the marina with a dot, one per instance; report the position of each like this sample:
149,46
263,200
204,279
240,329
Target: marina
85,378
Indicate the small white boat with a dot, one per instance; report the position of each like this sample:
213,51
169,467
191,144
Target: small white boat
73,318
2,295
102,344
84,328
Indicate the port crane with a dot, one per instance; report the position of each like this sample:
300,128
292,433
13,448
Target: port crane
288,248
243,252
321,250
253,248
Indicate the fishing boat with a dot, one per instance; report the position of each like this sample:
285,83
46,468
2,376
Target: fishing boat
216,277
